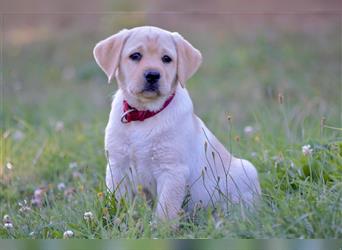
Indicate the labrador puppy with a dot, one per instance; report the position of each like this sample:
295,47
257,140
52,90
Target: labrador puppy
153,138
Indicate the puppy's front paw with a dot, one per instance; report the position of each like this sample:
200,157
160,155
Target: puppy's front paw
173,223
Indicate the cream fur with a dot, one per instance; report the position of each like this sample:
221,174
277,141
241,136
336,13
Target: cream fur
170,154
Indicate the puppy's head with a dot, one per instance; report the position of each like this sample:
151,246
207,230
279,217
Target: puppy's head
147,63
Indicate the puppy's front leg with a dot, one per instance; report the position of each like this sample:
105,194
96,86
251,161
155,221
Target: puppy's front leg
118,182
171,191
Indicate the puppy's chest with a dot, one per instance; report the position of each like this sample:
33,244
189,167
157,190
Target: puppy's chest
147,147
141,153
145,155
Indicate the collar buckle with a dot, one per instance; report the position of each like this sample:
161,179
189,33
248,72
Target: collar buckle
123,116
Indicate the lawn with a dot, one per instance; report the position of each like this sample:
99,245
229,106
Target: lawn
282,91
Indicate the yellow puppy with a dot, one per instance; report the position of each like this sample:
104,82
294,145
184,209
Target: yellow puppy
153,138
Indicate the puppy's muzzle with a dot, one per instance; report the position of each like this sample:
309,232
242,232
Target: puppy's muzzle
151,80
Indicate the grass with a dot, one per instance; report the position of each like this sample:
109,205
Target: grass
56,107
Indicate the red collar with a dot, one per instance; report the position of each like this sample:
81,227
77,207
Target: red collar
132,114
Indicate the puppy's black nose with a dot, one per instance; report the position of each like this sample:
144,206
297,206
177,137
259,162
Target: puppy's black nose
152,76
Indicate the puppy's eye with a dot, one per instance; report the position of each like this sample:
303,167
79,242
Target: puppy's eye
166,59
136,56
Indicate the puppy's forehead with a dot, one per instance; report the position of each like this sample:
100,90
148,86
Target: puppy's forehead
150,38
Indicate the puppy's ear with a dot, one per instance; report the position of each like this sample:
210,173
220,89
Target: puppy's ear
188,59
107,52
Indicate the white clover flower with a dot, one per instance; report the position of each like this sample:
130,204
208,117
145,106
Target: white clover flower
40,192
73,165
248,130
18,135
61,186
68,234
38,196
8,225
59,126
88,216
37,202
76,175
254,154
307,150
9,165
6,218
24,208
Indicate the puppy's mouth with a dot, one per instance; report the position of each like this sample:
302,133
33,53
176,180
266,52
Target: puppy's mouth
150,91
149,94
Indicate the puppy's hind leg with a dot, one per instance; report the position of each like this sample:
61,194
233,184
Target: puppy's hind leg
245,182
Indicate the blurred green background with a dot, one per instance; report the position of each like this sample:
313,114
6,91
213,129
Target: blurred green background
55,104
